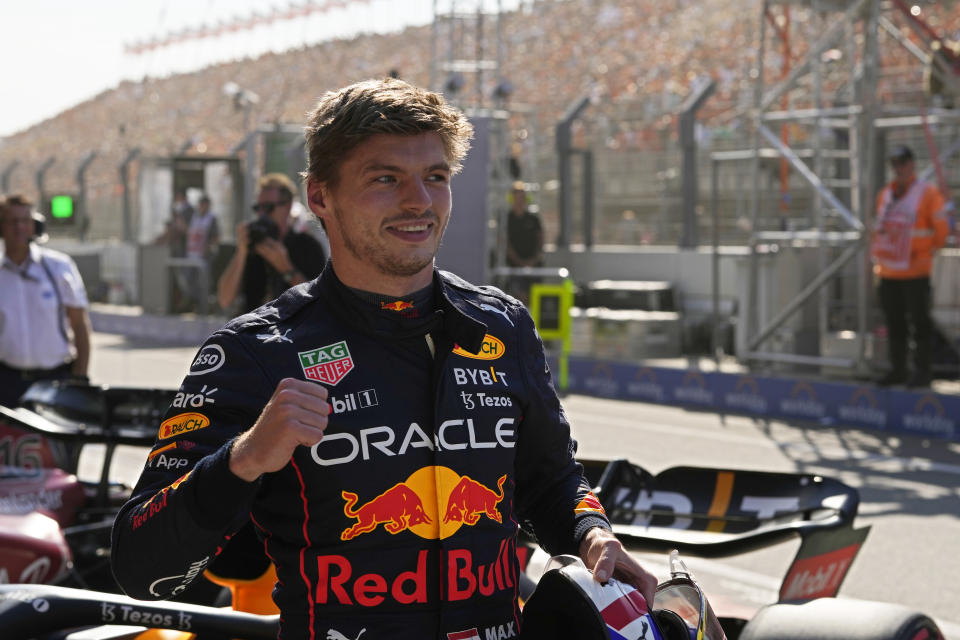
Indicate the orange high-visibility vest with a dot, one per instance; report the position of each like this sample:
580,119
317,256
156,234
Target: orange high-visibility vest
908,231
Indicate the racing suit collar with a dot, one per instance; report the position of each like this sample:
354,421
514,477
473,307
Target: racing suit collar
460,327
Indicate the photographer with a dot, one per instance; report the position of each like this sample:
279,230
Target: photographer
271,255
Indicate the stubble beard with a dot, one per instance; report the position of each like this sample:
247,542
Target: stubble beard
381,259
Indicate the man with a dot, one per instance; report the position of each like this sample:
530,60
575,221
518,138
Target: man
524,243
281,256
203,238
524,232
386,427
175,237
910,227
44,325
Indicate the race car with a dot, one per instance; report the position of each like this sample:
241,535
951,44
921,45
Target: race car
54,529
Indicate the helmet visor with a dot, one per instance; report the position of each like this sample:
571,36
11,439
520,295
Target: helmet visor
682,596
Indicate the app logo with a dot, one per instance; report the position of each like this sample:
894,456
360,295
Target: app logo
412,505
329,364
182,423
397,305
491,349
210,358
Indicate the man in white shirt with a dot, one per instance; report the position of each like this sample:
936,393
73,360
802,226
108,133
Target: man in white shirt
44,324
203,238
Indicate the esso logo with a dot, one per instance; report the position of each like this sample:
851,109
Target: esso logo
210,358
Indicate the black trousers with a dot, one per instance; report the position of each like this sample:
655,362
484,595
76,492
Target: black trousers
14,382
906,307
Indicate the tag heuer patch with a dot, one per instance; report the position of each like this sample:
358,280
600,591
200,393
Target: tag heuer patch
329,364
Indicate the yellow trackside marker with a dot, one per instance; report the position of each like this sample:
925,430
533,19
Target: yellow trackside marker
721,500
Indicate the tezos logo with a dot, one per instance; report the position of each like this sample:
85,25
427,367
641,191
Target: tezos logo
329,364
182,423
210,358
491,349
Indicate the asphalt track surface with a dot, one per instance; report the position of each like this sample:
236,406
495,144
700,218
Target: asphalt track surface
909,487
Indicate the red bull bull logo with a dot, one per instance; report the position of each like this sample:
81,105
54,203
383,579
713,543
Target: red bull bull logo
434,502
398,508
469,500
397,305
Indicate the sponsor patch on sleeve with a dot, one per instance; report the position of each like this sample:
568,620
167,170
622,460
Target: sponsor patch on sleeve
589,504
182,423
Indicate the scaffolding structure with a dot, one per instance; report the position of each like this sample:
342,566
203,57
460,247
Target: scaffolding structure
843,178
467,55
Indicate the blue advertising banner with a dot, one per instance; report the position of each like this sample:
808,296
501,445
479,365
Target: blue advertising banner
897,411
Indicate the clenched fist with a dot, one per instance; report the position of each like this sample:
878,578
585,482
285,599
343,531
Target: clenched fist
295,415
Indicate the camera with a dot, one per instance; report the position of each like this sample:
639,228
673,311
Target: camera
261,229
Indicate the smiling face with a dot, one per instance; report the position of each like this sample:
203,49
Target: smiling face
387,213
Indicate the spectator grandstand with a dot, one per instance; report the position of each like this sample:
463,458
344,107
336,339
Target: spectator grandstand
637,58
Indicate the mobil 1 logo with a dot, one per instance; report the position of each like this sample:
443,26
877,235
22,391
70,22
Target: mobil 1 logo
354,401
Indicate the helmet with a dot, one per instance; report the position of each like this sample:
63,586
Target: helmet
569,603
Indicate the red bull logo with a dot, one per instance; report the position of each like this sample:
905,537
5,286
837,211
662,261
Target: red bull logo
415,505
464,576
397,305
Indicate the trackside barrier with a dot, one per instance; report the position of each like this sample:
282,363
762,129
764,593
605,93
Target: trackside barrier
896,411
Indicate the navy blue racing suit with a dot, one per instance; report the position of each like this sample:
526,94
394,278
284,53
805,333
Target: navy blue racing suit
445,437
